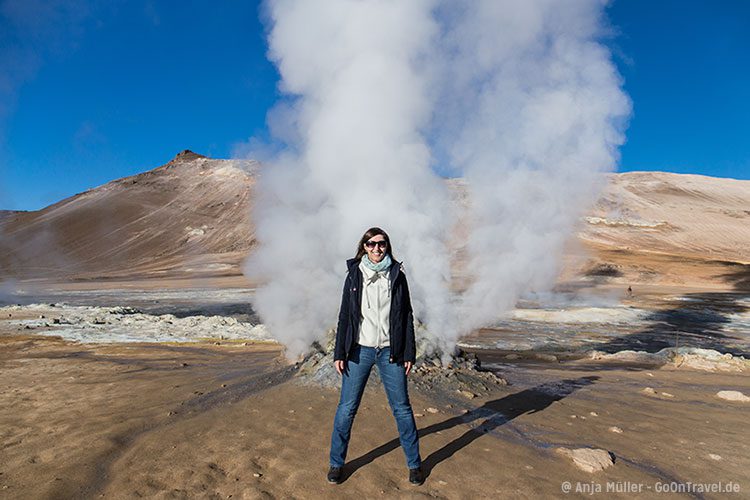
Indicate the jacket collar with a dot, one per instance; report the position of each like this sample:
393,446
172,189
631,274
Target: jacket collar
353,264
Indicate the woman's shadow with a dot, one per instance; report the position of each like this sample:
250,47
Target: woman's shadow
495,413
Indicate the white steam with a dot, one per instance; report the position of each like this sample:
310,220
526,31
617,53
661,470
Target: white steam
540,115
360,161
518,97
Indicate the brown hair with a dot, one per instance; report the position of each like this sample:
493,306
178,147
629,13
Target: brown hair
373,231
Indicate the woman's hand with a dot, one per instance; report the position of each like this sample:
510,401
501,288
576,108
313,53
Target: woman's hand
407,365
339,364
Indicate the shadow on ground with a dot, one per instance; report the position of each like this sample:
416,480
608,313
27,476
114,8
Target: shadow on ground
492,415
739,276
699,321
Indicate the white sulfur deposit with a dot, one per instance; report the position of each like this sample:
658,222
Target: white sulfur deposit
682,357
619,314
125,324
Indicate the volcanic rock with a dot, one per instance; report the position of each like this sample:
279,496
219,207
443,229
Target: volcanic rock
589,459
733,396
460,374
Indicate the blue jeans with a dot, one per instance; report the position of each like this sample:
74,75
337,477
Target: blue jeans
353,384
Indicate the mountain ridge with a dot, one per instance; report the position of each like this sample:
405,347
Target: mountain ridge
192,217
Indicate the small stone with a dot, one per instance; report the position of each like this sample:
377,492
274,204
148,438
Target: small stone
615,429
667,395
184,365
589,459
733,396
291,411
714,456
467,394
171,413
648,390
432,410
419,415
223,385
442,483
593,414
546,357
257,474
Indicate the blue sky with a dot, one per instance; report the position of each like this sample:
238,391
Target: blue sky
90,91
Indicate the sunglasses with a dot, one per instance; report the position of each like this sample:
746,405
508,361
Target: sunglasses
381,244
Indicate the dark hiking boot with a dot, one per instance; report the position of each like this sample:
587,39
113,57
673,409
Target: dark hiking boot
335,474
416,476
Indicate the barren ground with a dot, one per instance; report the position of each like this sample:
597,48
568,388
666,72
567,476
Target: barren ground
230,421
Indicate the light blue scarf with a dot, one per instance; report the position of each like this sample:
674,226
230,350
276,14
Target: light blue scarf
380,266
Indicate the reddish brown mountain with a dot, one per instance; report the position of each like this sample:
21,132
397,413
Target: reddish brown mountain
188,217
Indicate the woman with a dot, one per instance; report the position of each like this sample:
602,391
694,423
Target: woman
376,327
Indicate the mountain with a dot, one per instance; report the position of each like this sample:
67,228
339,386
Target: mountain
188,217
681,229
681,214
192,218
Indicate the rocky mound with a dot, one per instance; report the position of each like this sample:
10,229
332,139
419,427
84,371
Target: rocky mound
460,375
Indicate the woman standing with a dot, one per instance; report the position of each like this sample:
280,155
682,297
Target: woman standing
375,327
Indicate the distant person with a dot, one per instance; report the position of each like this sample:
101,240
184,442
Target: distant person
630,291
375,327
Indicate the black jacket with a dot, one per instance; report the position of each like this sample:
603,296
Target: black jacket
402,341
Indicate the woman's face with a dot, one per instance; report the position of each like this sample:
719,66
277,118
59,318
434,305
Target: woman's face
376,248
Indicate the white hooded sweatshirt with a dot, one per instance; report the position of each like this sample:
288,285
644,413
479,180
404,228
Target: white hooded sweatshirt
376,308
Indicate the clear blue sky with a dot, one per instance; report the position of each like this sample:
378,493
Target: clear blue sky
92,91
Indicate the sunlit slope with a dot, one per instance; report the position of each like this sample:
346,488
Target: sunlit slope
680,214
189,216
192,217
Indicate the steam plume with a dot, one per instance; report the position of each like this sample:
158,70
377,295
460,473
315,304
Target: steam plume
360,101
540,115
518,97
